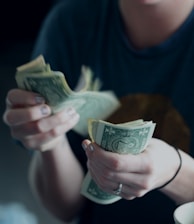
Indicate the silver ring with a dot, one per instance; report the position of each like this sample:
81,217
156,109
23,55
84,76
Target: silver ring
118,190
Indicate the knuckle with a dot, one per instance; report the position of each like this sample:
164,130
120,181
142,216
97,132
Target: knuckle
30,114
149,166
116,164
10,95
38,127
108,174
54,132
13,96
8,118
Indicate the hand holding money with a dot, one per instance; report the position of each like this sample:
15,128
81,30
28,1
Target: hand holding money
88,101
131,137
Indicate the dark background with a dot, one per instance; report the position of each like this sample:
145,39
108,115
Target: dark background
20,22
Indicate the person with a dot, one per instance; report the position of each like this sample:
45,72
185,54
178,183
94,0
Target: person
143,51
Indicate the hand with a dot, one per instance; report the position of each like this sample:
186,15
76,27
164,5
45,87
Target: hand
31,122
138,174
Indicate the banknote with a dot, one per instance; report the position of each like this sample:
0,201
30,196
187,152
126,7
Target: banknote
130,137
87,99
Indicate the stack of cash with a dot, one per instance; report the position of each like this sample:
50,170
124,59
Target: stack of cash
88,101
130,137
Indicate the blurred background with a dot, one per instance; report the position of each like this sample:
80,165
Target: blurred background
19,25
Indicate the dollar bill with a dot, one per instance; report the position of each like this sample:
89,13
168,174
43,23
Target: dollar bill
131,137
87,99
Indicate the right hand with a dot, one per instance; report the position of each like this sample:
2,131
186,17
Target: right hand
31,122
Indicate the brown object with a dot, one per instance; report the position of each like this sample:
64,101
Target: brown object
170,126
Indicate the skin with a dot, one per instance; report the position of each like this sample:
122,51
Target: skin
147,22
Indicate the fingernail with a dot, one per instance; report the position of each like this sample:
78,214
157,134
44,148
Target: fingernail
84,146
44,110
39,99
91,147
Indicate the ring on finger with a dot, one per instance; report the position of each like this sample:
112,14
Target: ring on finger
118,190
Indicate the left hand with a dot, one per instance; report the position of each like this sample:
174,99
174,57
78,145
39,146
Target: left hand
138,174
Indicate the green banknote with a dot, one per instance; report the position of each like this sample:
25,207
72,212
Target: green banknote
87,99
131,137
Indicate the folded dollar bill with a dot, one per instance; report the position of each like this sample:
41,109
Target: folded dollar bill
87,99
130,137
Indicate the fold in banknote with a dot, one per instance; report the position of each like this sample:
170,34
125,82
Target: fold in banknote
130,137
87,99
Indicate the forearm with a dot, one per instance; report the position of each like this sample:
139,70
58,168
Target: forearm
181,189
56,177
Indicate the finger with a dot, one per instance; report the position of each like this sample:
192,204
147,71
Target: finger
19,116
119,162
87,146
102,182
130,193
136,184
18,97
99,173
136,181
69,117
107,175
96,155
66,121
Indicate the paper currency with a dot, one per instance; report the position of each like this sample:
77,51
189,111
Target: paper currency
88,101
131,137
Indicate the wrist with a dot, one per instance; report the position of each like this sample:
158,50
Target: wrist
176,173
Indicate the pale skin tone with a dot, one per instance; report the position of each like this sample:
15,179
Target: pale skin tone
147,22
